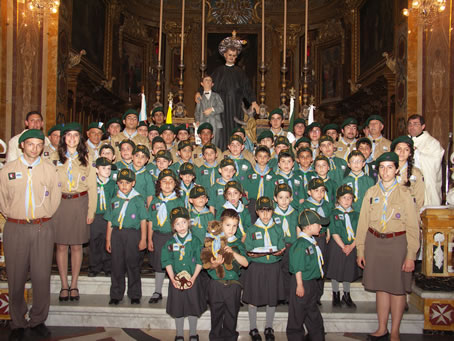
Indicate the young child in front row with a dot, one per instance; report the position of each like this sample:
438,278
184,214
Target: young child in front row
224,295
306,261
342,253
181,259
126,149
263,284
126,238
199,212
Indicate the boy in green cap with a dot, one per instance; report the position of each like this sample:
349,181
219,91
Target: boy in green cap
280,143
163,160
331,130
199,212
364,145
314,132
303,142
113,128
337,166
184,155
207,172
235,152
157,145
167,132
266,139
187,183
142,129
153,131
144,180
276,118
205,132
303,168
227,170
108,152
285,174
126,148
157,116
321,168
248,145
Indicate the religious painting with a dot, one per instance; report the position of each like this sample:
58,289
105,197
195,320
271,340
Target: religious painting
132,74
88,29
376,32
330,72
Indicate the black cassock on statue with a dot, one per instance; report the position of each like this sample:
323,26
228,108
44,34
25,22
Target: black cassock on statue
232,84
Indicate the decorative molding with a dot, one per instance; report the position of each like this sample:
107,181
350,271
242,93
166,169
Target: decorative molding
293,35
196,46
330,30
133,27
231,12
173,33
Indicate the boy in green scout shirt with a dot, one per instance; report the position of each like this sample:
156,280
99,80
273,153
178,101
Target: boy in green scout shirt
266,138
108,152
306,261
337,166
285,174
99,258
163,160
207,173
364,145
303,142
126,236
167,132
236,147
199,212
303,166
153,131
331,130
187,176
126,148
184,154
144,181
227,170
321,167
280,144
157,145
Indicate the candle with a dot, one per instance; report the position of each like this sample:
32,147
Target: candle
182,33
160,32
285,31
263,32
305,33
203,31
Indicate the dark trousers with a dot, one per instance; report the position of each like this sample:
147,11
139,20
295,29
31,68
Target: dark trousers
321,241
304,311
126,259
100,259
286,275
28,247
224,307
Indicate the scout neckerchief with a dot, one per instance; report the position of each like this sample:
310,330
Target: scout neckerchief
348,223
402,171
305,181
261,190
126,199
129,137
332,164
279,133
102,195
181,246
325,180
69,170
319,206
239,209
374,143
94,148
267,244
287,177
216,245
52,147
212,169
314,150
350,146
356,186
128,165
185,191
312,240
29,195
197,222
386,194
162,210
232,239
221,181
285,225
140,171
236,159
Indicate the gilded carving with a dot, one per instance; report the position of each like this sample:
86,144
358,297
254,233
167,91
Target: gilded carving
437,74
133,27
228,12
332,30
173,31
196,48
293,34
28,51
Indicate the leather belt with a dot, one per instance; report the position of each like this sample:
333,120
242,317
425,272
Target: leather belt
31,221
73,196
386,235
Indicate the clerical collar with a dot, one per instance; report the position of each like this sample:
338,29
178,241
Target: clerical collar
229,65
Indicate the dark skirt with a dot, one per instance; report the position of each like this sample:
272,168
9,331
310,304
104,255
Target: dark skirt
384,260
342,268
159,240
189,302
70,221
263,284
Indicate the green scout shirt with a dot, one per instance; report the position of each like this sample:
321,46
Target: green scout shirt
145,184
252,184
122,164
337,169
291,215
206,176
176,166
216,193
153,170
364,183
304,175
153,213
255,237
184,191
303,258
135,212
243,167
234,274
371,170
295,183
337,224
109,192
331,188
273,162
245,218
326,207
172,251
199,222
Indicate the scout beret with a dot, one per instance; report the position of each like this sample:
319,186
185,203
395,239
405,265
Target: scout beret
102,161
184,144
209,146
374,117
187,168
197,191
312,126
402,139
165,127
304,149
233,184
181,127
143,124
282,188
344,189
157,139
165,154
265,134
321,158
262,149
277,111
239,130
236,138
299,121
389,156
153,127
354,153
72,126
56,127
178,212
165,173
303,139
106,146
157,109
285,153
205,125
126,174
113,120
315,183
130,112
363,140
309,217
31,134
227,162
326,138
143,149
349,120
97,125
264,203
331,126
281,140
128,141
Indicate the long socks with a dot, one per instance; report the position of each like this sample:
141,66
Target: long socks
252,312
192,325
179,324
159,280
270,311
335,285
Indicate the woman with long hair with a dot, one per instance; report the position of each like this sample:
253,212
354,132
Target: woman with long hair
77,178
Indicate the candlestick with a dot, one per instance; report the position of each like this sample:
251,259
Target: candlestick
182,32
160,32
263,31
285,31
203,32
305,34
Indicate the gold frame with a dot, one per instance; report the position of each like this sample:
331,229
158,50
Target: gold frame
318,50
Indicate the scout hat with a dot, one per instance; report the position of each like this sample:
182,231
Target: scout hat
157,139
157,109
298,121
97,125
325,138
262,149
312,126
106,146
128,141
281,140
227,162
331,126
239,130
126,174
264,203
265,134
181,127
102,161
303,139
354,153
349,120
31,134
54,128
167,172
197,191
153,127
143,149
277,111
113,120
233,184
205,125
130,112
72,126
208,146
374,117
179,212
344,189
305,149
184,144
285,153
236,138
165,127
389,156
315,183
402,139
282,188
363,140
143,124
321,157
309,217
187,168
165,154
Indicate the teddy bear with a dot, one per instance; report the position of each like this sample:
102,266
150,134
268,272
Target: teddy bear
215,241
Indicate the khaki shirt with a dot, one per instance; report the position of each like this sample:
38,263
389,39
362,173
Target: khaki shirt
246,154
93,152
344,148
45,184
138,139
47,151
14,151
197,155
382,145
84,179
401,215
417,188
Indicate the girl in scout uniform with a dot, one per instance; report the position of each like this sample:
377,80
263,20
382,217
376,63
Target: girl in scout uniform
181,259
159,227
78,206
207,173
199,212
387,241
342,251
126,237
187,176
263,284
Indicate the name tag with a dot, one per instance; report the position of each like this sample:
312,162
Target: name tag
254,176
376,200
297,182
205,171
412,178
244,167
280,181
277,220
176,247
18,175
269,177
340,149
258,235
341,216
116,204
220,192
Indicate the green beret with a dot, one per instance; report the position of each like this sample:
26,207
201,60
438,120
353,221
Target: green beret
179,212
265,134
355,153
331,126
389,156
204,125
363,140
31,134
126,174
305,149
309,217
197,191
281,140
315,183
298,121
167,172
130,112
312,126
402,139
349,120
113,120
97,125
57,127
233,184
325,138
321,158
262,149
102,161
157,139
143,124
184,144
155,110
277,111
153,127
227,162
286,153
344,189
181,127
72,126
236,138
239,130
374,117
143,149
303,139
282,188
209,146
165,154
187,168
165,127
264,203
127,141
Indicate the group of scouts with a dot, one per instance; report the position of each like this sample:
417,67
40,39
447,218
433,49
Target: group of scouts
295,208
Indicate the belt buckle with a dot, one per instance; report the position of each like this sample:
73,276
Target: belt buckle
69,196
29,221
382,235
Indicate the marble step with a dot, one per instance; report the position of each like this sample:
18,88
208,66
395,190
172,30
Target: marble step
93,311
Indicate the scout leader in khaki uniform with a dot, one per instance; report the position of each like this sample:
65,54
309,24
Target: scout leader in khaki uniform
387,240
29,196
94,133
205,131
380,144
54,138
347,142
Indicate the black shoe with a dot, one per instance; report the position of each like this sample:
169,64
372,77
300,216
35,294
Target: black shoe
179,338
16,334
153,300
269,334
383,337
114,301
255,336
346,298
194,338
41,329
63,298
135,300
336,299
93,273
76,297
